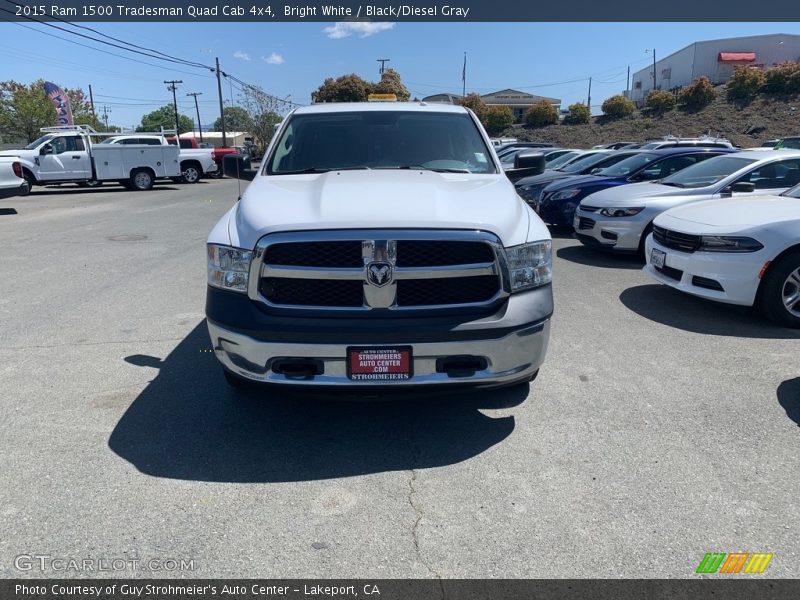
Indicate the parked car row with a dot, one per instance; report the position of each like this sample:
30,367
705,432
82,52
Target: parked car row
709,220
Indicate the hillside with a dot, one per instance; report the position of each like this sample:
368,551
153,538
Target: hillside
747,126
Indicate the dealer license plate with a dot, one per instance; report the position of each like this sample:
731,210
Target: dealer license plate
380,364
657,258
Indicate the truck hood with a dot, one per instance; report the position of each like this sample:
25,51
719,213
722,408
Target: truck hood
18,154
731,214
630,194
382,199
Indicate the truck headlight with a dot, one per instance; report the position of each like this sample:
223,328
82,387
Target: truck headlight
228,267
530,265
621,212
724,243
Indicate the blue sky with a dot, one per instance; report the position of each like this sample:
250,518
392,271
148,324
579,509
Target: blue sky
292,59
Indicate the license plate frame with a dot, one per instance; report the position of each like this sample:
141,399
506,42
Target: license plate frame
358,358
658,258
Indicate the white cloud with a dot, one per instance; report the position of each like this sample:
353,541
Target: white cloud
273,59
241,55
363,29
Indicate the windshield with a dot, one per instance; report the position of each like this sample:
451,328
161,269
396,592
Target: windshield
110,140
584,162
563,159
793,143
629,165
792,192
33,145
314,143
707,172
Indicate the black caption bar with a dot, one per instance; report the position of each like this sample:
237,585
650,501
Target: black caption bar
422,10
397,589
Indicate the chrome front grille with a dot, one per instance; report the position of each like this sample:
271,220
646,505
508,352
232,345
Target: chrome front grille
377,269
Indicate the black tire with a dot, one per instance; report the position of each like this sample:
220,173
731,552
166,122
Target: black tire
191,172
779,294
28,176
142,180
647,231
217,174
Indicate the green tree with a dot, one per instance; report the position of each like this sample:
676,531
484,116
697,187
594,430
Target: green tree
783,79
391,83
476,104
264,128
660,101
745,83
24,110
165,117
347,88
236,119
498,118
618,106
541,114
698,94
578,114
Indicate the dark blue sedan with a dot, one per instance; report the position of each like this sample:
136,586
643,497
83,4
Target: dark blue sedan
557,202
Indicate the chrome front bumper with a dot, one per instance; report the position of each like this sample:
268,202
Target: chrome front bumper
511,358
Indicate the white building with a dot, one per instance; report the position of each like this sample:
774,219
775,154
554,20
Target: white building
715,59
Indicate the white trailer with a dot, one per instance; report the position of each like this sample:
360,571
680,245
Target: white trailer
68,155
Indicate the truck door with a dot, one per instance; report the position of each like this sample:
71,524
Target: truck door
65,159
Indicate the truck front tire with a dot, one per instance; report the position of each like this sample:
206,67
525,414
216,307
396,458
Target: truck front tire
142,180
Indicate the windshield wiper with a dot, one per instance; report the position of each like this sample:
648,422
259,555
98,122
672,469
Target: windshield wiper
437,170
311,170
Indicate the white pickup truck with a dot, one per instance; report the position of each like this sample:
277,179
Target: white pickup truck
11,181
67,155
380,246
195,162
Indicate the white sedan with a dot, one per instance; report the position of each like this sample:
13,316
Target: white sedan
743,251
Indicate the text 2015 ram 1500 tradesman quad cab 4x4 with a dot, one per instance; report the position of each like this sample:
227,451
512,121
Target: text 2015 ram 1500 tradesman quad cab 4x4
380,245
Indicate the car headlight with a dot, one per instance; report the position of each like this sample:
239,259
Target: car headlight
621,212
724,243
228,268
530,265
565,194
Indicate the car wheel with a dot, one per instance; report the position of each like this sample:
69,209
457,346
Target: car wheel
191,174
28,176
216,174
779,296
142,180
647,231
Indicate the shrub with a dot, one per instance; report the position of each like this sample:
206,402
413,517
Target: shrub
476,104
498,118
618,106
660,101
745,83
698,94
783,79
542,113
578,114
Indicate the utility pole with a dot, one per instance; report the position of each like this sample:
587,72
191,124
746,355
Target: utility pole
91,101
464,77
383,62
628,82
589,97
197,110
221,107
655,81
106,110
172,87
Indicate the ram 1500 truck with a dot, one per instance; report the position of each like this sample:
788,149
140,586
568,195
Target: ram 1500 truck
380,245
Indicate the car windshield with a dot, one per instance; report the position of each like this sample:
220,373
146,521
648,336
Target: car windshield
707,172
110,140
629,165
563,159
793,143
792,192
584,162
370,139
33,145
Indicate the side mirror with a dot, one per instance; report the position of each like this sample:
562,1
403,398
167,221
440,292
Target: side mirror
46,149
237,166
741,187
525,165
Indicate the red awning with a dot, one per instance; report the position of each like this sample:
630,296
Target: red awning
737,57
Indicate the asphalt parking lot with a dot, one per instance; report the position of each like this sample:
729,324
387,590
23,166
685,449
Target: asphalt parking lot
661,427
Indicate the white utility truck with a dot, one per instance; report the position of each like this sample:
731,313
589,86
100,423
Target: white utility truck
195,162
67,155
380,245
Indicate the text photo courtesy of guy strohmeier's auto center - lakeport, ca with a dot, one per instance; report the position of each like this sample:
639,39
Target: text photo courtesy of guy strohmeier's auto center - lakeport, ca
492,301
